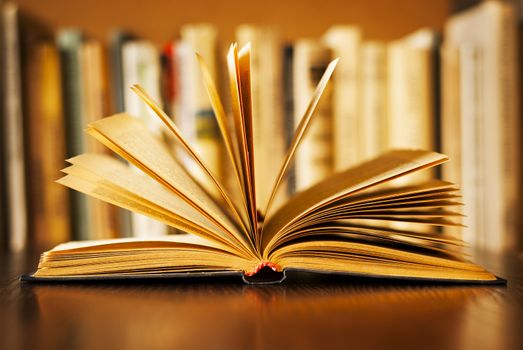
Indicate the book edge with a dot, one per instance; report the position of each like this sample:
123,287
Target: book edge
290,273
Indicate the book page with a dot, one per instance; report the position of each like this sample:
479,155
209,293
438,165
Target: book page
244,79
135,242
124,257
130,139
435,193
369,259
226,130
240,130
113,173
371,173
343,231
225,200
96,188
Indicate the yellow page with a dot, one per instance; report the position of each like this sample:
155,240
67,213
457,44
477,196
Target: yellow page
225,200
109,193
244,78
130,139
106,170
239,127
119,243
226,128
371,173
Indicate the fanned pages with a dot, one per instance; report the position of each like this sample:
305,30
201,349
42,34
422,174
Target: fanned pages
339,225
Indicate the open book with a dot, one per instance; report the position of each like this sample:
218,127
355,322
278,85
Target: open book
340,225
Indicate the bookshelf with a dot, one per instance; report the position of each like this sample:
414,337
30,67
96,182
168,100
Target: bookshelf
380,23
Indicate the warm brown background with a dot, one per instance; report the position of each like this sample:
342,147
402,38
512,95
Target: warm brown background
160,20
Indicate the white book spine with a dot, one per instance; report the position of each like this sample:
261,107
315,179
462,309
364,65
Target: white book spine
344,41
314,159
141,65
472,147
196,116
410,100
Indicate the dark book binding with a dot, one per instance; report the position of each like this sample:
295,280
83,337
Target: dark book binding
264,275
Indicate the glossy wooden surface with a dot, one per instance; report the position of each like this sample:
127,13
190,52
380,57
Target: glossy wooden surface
299,314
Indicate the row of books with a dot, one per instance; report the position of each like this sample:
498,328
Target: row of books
456,94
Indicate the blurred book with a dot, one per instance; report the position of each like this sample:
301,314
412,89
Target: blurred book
481,48
194,114
95,98
372,85
3,162
314,161
116,41
15,212
69,42
85,98
344,41
288,108
20,34
48,205
411,91
267,104
141,65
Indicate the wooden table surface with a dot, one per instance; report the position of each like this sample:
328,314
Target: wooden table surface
302,313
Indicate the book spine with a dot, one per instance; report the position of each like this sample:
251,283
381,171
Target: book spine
13,131
450,119
314,159
117,40
511,144
196,116
94,87
170,79
373,94
344,42
472,146
266,65
410,99
288,105
140,61
69,42
3,163
50,224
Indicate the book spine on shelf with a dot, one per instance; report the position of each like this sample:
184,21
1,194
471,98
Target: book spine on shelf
266,66
13,137
373,99
69,42
486,40
3,162
450,120
48,207
314,159
141,65
344,41
410,95
117,40
95,98
288,107
472,146
511,125
195,115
